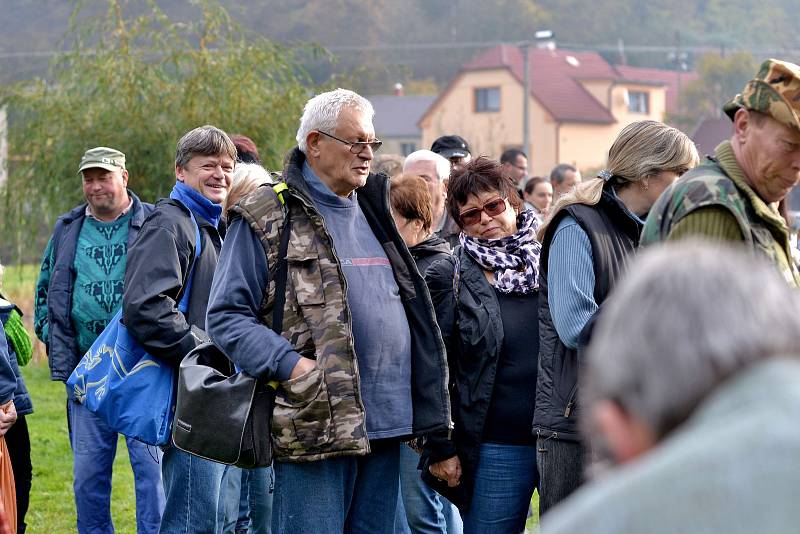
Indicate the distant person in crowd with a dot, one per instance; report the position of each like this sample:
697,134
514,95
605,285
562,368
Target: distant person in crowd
733,196
538,196
78,291
454,148
423,510
707,371
435,170
159,262
17,438
485,296
515,164
389,164
359,367
563,178
587,242
248,492
246,150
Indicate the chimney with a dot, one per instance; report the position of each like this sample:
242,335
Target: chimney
398,89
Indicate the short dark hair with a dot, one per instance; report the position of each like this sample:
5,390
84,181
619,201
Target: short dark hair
531,184
558,174
511,155
203,141
479,176
246,150
411,198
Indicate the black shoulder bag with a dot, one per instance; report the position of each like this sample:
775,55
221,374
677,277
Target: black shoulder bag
226,416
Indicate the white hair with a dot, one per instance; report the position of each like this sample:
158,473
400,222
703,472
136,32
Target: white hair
322,112
686,317
442,164
246,177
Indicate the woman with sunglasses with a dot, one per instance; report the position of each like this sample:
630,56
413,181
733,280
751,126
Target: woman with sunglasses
486,301
587,240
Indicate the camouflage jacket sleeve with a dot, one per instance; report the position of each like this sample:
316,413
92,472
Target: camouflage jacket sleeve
715,223
40,324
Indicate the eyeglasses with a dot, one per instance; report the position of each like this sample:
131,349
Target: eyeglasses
493,208
356,147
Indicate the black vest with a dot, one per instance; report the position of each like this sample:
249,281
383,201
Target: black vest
613,235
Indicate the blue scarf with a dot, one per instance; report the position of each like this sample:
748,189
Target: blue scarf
200,205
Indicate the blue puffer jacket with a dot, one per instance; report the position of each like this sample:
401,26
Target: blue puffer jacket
10,377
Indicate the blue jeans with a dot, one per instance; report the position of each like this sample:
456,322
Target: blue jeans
504,482
560,465
422,510
248,500
193,488
94,446
349,494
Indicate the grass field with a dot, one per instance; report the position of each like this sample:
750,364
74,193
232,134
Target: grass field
52,507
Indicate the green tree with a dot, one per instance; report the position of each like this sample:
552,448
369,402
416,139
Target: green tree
719,79
137,84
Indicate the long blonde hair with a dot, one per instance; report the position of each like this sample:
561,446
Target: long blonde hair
642,149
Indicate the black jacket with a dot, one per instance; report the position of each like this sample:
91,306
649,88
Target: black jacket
429,251
158,264
473,335
614,236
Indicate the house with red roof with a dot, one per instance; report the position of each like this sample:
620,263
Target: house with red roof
578,103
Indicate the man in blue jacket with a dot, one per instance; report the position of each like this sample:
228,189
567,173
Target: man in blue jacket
79,290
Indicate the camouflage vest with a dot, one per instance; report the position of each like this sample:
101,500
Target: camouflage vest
320,414
710,185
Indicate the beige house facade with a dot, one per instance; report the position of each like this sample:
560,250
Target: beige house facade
578,103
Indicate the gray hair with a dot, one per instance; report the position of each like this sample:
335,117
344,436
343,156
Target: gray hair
442,163
688,316
246,178
203,141
322,112
559,172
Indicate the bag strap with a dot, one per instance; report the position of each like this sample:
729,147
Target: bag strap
282,268
183,305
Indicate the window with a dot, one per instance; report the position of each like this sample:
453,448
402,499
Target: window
407,148
638,102
487,99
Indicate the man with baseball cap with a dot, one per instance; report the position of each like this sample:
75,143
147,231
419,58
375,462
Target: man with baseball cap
79,290
734,195
454,148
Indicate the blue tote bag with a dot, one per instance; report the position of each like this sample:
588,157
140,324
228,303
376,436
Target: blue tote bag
127,388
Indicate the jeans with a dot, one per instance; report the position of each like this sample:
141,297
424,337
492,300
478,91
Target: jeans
421,510
248,500
18,442
504,482
560,466
349,494
94,446
193,488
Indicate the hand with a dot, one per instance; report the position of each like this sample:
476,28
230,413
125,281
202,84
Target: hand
8,416
303,366
447,471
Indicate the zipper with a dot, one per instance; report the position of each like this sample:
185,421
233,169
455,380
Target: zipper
571,400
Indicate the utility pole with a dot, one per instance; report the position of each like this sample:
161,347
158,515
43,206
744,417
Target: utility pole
526,100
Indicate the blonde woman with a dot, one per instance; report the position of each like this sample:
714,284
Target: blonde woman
587,239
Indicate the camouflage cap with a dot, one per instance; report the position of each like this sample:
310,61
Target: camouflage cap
775,90
103,157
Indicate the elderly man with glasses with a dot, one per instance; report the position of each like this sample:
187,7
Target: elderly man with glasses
358,366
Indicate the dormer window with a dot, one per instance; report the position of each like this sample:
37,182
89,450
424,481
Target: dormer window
639,102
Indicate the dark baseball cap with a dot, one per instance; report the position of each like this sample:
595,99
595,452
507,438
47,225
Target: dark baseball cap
451,146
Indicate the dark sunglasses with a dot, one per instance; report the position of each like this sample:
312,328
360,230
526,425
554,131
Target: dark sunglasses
493,208
356,147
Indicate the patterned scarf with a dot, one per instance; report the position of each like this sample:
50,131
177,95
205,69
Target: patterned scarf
514,260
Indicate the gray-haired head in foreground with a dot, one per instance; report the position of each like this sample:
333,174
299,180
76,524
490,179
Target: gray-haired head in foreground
322,112
203,141
686,317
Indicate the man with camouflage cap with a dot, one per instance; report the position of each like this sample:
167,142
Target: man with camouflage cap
360,364
734,195
79,290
